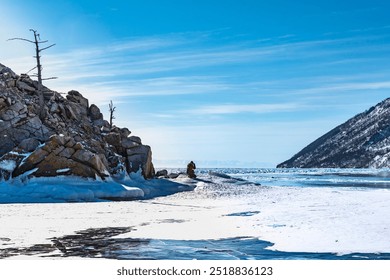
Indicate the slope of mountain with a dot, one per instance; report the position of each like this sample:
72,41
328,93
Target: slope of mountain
361,142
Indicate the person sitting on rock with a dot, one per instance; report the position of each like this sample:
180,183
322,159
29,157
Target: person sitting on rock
191,169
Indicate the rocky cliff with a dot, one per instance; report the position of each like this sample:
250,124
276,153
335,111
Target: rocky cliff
361,142
71,139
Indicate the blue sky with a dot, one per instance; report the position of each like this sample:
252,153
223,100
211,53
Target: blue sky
223,83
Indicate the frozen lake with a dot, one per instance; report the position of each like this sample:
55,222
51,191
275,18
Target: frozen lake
324,177
293,214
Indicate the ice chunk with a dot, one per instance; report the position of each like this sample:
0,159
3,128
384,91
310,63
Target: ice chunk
63,170
8,165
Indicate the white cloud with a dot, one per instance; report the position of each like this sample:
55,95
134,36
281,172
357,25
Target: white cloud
168,53
125,68
336,88
244,108
100,92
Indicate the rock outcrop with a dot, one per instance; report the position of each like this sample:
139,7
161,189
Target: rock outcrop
361,142
72,138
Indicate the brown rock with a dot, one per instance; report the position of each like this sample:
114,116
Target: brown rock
76,97
3,103
138,149
88,158
129,144
52,164
58,150
125,132
67,152
70,143
135,139
78,146
31,162
113,139
59,140
140,157
70,114
94,113
162,173
54,142
82,156
29,144
23,86
36,157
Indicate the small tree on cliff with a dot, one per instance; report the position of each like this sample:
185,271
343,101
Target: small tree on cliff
112,110
38,49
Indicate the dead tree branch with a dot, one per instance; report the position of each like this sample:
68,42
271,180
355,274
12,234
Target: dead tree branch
112,110
37,42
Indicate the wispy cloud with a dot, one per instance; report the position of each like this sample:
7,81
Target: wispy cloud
331,89
100,92
183,64
142,56
180,64
244,108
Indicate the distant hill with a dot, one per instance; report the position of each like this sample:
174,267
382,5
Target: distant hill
361,142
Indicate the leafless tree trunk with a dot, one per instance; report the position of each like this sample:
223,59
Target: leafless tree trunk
112,110
37,41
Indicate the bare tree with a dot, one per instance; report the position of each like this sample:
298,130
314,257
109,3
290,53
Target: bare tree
37,42
112,110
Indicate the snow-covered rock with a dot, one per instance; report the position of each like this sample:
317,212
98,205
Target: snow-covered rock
69,135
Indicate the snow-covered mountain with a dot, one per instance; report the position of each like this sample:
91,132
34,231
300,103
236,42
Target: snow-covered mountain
361,142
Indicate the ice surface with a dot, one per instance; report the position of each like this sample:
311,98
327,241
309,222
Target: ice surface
338,220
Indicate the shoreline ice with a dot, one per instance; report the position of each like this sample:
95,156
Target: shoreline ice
63,189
